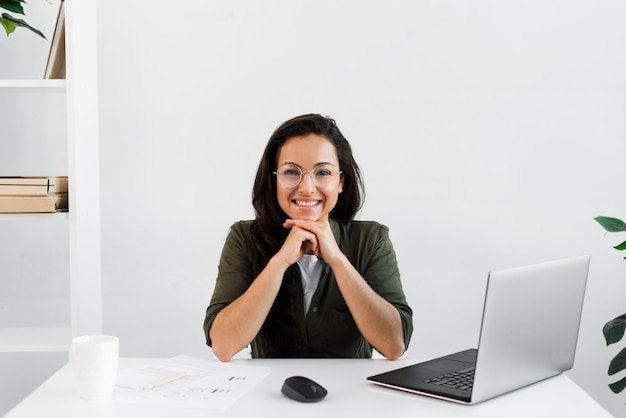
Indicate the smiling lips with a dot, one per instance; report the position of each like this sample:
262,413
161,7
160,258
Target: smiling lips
307,203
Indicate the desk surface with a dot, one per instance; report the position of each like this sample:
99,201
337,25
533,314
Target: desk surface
348,393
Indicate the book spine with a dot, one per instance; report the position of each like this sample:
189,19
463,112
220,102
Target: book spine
33,204
32,186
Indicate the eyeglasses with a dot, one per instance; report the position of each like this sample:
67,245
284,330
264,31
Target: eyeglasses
324,175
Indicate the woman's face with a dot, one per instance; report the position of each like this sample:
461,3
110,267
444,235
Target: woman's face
318,191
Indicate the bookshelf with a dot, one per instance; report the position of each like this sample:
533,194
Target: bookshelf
32,216
83,219
33,84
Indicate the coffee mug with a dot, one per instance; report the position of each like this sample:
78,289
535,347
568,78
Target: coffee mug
94,360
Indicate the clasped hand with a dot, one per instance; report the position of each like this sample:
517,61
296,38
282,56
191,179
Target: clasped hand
309,237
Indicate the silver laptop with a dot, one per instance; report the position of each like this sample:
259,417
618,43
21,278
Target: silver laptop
529,332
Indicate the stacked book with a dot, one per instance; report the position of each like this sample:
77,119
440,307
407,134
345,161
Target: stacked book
33,194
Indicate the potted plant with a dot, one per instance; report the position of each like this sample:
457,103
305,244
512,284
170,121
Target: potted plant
614,329
10,23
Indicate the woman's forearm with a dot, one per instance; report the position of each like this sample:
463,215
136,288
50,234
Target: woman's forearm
377,319
238,323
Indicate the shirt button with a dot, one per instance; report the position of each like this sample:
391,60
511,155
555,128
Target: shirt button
314,309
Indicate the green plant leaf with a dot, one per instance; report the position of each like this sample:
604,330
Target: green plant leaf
611,224
9,27
614,329
618,363
14,6
618,386
19,22
621,247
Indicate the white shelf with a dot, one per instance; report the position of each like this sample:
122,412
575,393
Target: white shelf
35,339
34,83
60,216
83,218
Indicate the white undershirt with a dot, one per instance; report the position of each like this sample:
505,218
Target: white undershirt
311,269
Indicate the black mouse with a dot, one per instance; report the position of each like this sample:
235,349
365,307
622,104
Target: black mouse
303,389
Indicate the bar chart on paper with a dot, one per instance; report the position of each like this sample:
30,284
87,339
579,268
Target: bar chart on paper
187,381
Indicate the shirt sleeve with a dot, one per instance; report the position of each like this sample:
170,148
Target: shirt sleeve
380,270
234,273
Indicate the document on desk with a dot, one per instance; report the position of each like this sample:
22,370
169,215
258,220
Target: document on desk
189,382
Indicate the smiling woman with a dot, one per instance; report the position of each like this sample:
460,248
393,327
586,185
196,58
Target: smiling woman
312,197
10,23
304,279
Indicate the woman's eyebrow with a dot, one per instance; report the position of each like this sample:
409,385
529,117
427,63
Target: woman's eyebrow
290,163
316,165
324,163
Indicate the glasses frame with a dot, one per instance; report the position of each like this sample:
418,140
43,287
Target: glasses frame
303,172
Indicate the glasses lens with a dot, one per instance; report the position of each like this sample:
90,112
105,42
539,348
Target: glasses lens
325,175
289,175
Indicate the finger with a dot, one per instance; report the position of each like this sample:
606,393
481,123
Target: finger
309,242
298,222
315,248
310,226
290,224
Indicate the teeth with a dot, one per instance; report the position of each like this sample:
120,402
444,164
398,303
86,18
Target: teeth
306,203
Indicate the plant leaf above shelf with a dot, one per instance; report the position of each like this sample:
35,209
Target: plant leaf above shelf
10,23
13,6
9,27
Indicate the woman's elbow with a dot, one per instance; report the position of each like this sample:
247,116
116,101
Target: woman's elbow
394,355
394,352
219,345
222,354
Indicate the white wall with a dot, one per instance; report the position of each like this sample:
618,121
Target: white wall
489,133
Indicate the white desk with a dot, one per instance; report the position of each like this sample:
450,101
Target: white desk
348,393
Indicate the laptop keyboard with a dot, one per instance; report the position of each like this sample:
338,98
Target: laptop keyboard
462,379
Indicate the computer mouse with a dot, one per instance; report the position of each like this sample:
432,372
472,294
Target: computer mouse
303,389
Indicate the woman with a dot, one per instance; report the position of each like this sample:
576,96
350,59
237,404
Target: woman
303,279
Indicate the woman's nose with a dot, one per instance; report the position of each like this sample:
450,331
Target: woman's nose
307,182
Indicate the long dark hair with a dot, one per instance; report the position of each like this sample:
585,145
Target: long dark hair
268,235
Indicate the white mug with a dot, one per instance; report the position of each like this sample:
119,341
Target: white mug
94,360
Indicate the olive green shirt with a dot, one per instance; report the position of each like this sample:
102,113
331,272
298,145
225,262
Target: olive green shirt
328,329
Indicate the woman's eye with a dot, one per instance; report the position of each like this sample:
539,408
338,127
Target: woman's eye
291,172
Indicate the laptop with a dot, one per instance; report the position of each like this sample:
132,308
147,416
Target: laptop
529,332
